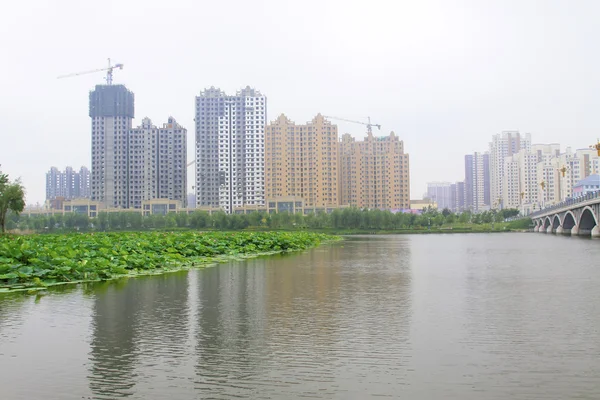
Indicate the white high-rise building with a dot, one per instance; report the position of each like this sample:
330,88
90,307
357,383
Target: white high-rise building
523,174
546,173
230,148
504,145
157,163
477,182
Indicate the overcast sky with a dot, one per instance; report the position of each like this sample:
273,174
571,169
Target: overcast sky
444,75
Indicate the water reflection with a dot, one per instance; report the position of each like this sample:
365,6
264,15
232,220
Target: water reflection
304,325
456,317
137,323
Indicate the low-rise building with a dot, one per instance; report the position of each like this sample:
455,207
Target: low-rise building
588,185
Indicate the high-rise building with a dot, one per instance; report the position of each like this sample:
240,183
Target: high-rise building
67,184
157,159
477,182
302,161
457,197
440,193
111,111
503,145
523,175
81,184
230,148
374,172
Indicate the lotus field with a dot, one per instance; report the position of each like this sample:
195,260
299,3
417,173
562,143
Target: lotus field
42,260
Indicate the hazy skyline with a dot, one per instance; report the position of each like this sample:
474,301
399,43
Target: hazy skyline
445,76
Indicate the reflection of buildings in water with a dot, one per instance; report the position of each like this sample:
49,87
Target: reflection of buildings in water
303,292
230,317
134,321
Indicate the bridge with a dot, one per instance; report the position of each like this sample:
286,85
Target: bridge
580,216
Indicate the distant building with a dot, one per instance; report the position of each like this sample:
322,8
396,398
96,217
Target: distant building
67,184
477,195
522,184
157,167
457,197
440,193
590,184
374,172
503,145
303,161
230,148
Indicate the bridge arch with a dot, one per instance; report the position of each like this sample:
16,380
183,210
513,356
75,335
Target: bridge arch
547,223
556,222
569,220
587,219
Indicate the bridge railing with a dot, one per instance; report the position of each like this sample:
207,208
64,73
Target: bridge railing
566,203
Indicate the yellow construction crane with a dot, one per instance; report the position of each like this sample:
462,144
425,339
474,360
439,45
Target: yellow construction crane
596,146
368,124
109,72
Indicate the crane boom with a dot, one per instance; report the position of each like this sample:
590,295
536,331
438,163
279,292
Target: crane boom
109,72
368,124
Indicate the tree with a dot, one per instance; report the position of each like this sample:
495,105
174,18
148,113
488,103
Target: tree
12,197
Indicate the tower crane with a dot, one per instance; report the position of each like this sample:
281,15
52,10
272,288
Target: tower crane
109,72
368,124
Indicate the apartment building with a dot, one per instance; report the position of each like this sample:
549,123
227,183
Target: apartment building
374,172
230,148
477,182
302,161
67,184
503,145
157,163
523,175
457,199
112,112
441,194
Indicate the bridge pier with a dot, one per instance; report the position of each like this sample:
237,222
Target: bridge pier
549,229
596,231
575,230
536,229
560,230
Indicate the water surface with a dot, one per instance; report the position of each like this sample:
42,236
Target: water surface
474,316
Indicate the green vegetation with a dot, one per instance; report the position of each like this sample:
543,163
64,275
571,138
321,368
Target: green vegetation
348,220
12,198
41,260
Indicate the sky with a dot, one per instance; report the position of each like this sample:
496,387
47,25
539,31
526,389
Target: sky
443,75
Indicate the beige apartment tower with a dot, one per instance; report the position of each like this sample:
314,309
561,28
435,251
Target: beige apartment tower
302,160
374,172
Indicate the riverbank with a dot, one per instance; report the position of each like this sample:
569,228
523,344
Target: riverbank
36,261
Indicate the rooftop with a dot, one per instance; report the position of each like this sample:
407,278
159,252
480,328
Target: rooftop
592,180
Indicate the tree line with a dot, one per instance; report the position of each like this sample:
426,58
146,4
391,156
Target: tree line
347,218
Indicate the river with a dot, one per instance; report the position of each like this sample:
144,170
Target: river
456,316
